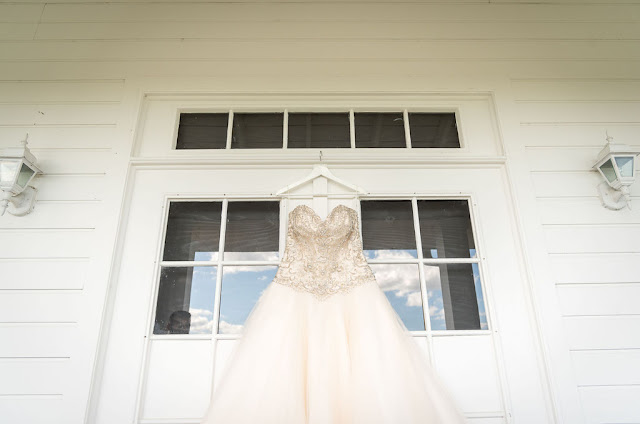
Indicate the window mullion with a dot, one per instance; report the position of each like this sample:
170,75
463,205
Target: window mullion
423,282
223,230
352,128
229,129
407,128
285,129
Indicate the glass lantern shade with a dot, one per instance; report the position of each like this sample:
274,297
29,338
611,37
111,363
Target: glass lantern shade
616,164
625,166
15,175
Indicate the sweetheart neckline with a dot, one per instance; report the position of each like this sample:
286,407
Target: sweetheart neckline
315,214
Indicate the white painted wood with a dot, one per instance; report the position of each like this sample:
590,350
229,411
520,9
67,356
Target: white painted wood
600,299
603,332
338,29
558,75
73,161
56,306
597,268
71,187
146,219
61,92
41,243
611,404
467,365
593,238
583,211
336,50
33,376
36,409
607,367
49,114
422,11
44,273
561,183
155,139
567,135
59,137
38,340
179,379
59,214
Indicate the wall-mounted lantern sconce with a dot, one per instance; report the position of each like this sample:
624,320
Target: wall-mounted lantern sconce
17,169
616,165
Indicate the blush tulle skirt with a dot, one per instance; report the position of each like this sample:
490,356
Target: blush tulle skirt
347,359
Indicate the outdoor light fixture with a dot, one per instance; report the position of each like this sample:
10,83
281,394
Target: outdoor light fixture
17,169
616,165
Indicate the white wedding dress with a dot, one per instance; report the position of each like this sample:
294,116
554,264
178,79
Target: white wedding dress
323,345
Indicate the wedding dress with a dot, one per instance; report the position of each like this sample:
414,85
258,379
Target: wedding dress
323,345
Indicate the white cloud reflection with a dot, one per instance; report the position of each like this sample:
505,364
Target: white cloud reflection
201,321
228,328
401,279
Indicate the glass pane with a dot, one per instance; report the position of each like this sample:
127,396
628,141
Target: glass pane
315,130
25,175
253,230
257,131
202,131
242,286
608,171
445,229
379,130
401,285
433,130
193,231
625,165
387,229
185,300
455,297
8,170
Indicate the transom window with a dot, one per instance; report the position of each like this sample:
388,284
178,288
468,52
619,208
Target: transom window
219,256
300,130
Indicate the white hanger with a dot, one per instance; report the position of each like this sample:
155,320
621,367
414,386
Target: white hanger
319,171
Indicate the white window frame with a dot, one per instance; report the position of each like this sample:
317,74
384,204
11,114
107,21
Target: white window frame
352,126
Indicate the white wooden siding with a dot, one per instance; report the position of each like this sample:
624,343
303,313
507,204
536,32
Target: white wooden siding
564,72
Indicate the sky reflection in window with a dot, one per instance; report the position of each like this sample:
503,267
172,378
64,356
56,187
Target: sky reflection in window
242,286
401,285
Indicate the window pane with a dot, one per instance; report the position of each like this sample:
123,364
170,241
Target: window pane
257,131
625,165
379,130
185,300
445,229
315,130
433,130
387,229
193,231
202,131
455,297
401,285
253,230
242,286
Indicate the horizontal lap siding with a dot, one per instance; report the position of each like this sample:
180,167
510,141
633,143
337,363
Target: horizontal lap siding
573,72
594,252
53,259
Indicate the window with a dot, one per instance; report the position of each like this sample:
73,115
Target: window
195,261
422,252
425,246
266,130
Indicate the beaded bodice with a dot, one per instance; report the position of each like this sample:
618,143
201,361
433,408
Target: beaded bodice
323,257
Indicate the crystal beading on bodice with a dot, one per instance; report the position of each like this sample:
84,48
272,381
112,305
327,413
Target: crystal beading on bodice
323,257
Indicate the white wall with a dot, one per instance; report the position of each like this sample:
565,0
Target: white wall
562,73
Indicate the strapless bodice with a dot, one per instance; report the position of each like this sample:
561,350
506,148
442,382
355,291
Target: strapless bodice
323,257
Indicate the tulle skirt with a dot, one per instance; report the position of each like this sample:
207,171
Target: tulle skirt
348,359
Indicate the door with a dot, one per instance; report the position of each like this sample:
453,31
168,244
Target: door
200,245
